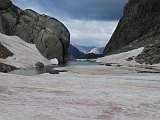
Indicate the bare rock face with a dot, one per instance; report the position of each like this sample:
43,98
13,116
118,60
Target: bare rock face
150,55
51,37
139,26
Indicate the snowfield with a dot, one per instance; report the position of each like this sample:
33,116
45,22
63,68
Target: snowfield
75,96
83,93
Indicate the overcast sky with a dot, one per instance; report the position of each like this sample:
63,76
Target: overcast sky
90,22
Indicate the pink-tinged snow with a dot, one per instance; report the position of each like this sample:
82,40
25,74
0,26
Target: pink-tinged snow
80,96
25,54
82,93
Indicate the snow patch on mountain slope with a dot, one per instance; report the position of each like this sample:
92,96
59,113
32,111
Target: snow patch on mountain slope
121,58
95,51
25,54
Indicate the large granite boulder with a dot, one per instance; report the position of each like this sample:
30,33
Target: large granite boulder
51,37
139,26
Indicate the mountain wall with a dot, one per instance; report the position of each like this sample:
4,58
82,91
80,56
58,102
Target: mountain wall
51,37
139,26
75,52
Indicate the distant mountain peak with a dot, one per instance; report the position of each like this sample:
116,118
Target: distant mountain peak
95,51
83,52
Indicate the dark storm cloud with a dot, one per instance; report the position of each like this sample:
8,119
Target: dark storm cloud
81,9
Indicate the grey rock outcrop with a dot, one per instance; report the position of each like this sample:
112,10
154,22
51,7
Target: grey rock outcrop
6,68
39,64
139,27
4,52
108,64
52,71
150,55
51,37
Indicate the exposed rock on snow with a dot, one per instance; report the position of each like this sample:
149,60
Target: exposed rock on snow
39,64
126,60
150,55
25,54
4,52
6,68
53,71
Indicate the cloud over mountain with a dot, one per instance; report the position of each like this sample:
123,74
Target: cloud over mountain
91,22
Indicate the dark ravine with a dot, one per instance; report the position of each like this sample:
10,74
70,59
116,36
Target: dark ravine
51,37
139,26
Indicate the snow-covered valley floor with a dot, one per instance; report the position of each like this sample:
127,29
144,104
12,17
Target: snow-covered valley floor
80,96
101,92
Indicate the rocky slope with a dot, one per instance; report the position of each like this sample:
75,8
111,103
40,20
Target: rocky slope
139,27
50,36
4,53
75,52
150,55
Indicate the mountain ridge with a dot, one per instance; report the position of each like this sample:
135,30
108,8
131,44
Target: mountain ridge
139,26
76,51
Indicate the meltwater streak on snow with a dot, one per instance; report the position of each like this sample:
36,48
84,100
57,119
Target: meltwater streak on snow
25,54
